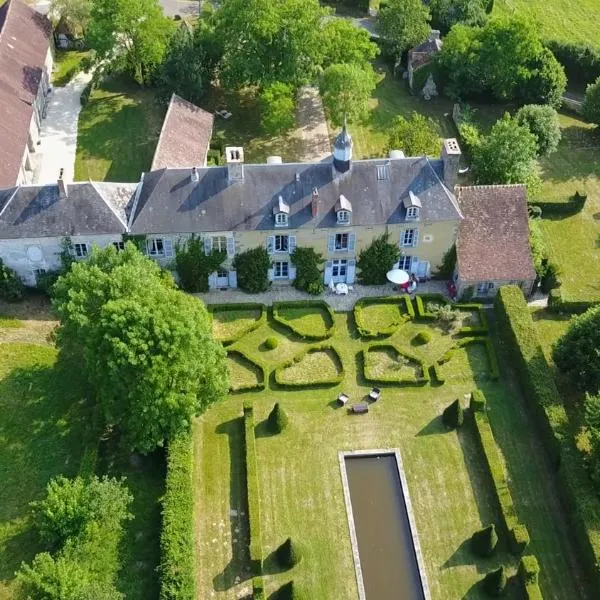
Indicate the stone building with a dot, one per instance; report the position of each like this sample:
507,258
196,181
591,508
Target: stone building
419,57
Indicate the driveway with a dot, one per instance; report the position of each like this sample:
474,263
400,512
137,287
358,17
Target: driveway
183,8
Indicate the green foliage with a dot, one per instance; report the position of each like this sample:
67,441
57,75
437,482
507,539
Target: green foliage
478,401
484,541
527,575
75,12
543,122
309,378
416,136
234,310
375,261
551,277
495,582
247,362
423,337
577,352
322,327
539,253
453,415
252,268
446,269
194,266
177,556
506,155
277,108
343,42
592,420
258,588
403,24
145,348
308,270
11,286
446,13
346,90
580,61
278,419
367,328
271,343
288,554
374,373
591,102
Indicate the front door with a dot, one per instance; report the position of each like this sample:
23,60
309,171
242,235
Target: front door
222,278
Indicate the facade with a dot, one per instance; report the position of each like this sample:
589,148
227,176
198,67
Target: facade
26,60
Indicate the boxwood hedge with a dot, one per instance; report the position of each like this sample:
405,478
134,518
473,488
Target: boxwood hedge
394,378
310,383
559,301
217,308
318,305
527,576
261,376
404,303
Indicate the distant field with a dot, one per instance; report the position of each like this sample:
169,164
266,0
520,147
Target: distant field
568,20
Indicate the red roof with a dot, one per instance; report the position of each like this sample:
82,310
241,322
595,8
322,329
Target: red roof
24,41
493,240
184,137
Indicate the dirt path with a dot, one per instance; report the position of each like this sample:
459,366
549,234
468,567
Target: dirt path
312,126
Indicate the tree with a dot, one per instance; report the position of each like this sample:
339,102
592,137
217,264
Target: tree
376,260
277,420
252,268
346,90
309,276
446,13
591,102
343,42
453,415
277,107
483,542
194,266
543,122
416,136
146,348
495,582
11,286
129,34
577,352
506,155
547,80
592,420
75,12
403,24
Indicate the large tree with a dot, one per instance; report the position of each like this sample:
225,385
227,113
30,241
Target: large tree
446,13
132,34
403,24
343,42
416,136
277,106
146,348
543,122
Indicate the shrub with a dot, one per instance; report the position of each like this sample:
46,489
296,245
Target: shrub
45,282
559,301
423,337
277,420
258,588
417,136
494,582
11,286
177,560
529,569
288,554
550,278
365,328
376,260
193,265
252,268
313,380
478,401
484,541
591,102
271,343
542,121
318,305
308,270
581,61
453,415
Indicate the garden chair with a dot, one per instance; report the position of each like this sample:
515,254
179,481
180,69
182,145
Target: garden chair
343,399
374,394
359,409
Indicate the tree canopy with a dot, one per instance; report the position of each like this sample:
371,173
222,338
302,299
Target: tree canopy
446,13
277,107
146,348
75,12
543,122
591,102
416,136
345,43
403,24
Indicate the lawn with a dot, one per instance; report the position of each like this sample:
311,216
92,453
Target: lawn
67,64
118,131
300,485
229,323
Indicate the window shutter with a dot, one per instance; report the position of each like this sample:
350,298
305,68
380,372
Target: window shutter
271,274
331,243
212,280
402,237
351,241
230,246
416,238
168,247
292,272
351,271
207,245
148,247
233,279
271,244
328,271
291,248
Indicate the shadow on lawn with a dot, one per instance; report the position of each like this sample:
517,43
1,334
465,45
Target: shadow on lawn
434,427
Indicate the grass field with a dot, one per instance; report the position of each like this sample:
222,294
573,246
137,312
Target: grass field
118,131
301,494
67,64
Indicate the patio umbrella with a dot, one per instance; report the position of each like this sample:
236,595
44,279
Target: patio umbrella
397,276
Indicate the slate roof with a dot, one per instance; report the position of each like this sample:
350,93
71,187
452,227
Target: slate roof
170,202
37,211
493,239
24,41
184,137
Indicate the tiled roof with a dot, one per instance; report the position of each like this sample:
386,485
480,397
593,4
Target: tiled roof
24,42
493,240
184,137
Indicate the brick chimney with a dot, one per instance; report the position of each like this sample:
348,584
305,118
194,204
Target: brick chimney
194,176
62,186
235,163
451,158
314,202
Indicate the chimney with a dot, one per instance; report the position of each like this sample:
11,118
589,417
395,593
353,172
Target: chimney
314,202
451,158
62,186
195,176
434,34
235,163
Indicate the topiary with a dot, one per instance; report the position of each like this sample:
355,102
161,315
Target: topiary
453,415
277,420
484,541
494,582
271,343
288,554
423,337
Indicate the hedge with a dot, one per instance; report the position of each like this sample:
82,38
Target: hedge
394,378
560,302
478,401
422,300
214,308
258,588
573,206
461,343
255,547
407,312
482,328
316,304
310,383
518,536
580,500
262,378
581,61
437,374
177,561
527,576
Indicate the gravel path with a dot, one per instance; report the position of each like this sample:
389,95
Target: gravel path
312,126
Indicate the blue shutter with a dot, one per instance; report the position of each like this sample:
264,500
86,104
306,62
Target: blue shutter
351,241
207,245
212,280
328,271
292,247
331,243
416,238
233,279
351,271
168,247
230,246
292,272
402,238
271,244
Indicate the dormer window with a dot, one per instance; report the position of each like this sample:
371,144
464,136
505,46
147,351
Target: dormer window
343,210
343,217
412,212
281,212
412,203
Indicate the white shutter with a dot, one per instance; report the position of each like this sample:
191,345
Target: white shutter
292,247
212,281
168,247
328,271
331,243
271,244
351,241
230,246
233,279
207,245
416,238
292,272
271,274
351,271
148,248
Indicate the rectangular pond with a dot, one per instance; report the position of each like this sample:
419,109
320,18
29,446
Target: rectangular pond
386,549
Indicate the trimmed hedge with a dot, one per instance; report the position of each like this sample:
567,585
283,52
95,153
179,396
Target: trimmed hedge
461,343
422,380
527,576
311,384
177,561
422,300
437,374
316,304
518,536
407,312
581,61
560,302
578,495
482,328
573,206
478,401
423,337
262,378
258,588
255,547
214,308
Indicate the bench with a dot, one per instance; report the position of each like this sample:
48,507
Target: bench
359,409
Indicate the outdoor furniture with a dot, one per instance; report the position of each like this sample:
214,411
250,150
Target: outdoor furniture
359,409
224,114
343,399
341,289
374,394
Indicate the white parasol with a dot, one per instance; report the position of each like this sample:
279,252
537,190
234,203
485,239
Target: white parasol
397,276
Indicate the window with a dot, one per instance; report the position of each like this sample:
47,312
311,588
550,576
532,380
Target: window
281,269
343,217
282,243
281,219
405,262
222,274
340,267
120,246
484,287
38,273
382,172
408,237
219,243
341,241
412,212
156,247
81,250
